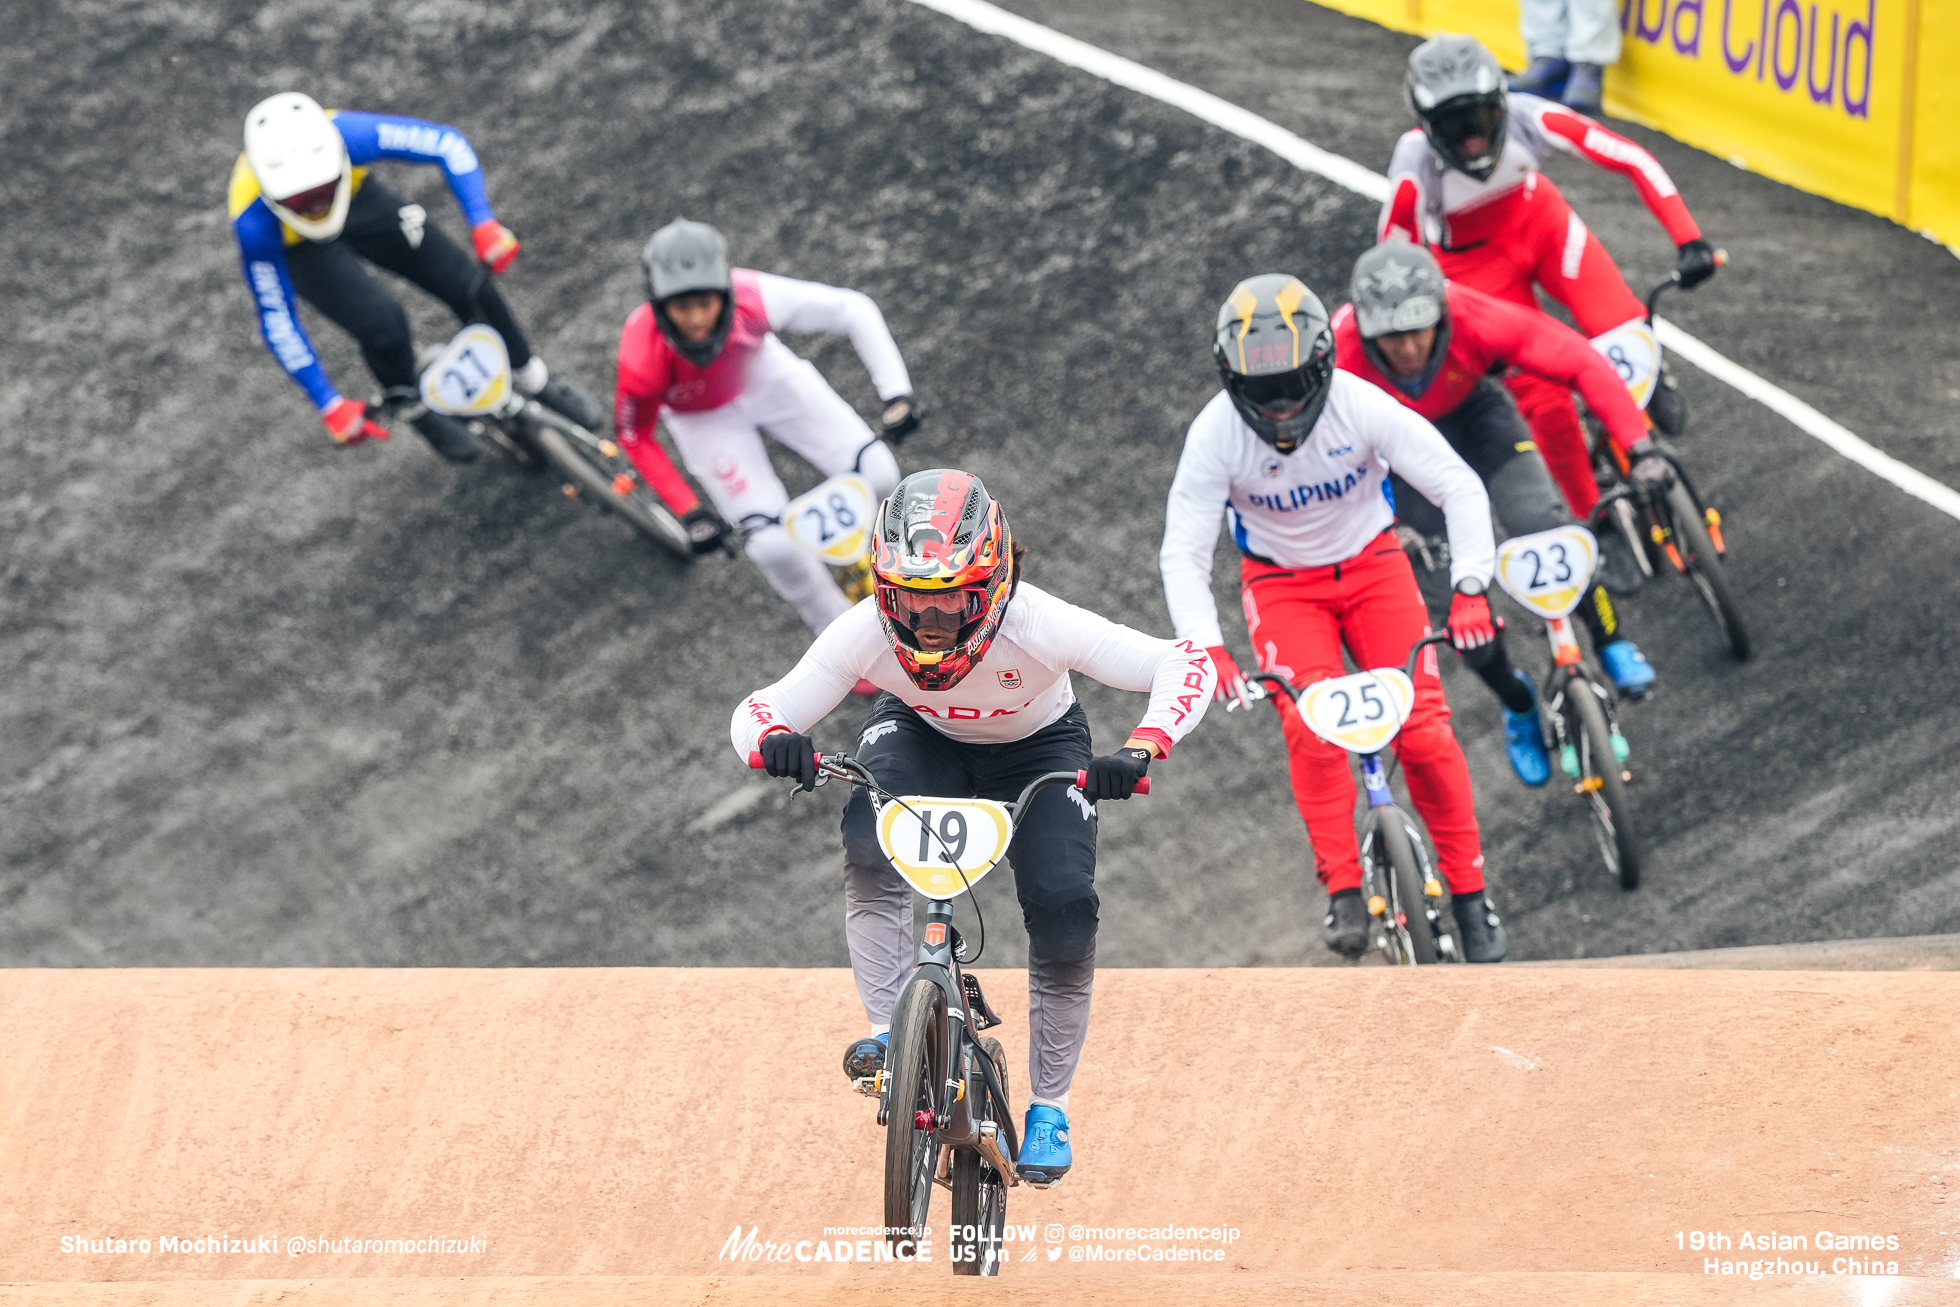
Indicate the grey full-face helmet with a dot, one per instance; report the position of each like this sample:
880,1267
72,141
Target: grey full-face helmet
1399,287
1456,88
685,258
1275,353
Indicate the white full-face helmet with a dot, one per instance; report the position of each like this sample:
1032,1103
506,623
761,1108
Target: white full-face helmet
301,163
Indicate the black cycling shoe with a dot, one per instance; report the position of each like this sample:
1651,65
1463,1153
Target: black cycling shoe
1484,939
447,436
569,399
865,1058
1346,926
1666,407
1619,571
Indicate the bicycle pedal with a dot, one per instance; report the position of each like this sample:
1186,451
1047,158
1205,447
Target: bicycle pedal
976,1002
870,1086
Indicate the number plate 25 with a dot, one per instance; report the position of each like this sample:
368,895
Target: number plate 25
1548,571
1359,713
927,842
471,376
834,520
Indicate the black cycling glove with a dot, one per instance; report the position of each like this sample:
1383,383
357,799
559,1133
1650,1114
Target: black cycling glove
1652,475
902,417
1694,262
706,532
1115,775
785,753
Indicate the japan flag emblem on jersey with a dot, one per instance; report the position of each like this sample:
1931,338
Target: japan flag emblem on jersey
1010,680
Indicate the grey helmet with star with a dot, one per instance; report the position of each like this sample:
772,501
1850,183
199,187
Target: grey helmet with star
1397,287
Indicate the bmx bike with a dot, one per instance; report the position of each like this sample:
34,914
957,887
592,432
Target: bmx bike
1549,572
1410,919
943,1096
470,378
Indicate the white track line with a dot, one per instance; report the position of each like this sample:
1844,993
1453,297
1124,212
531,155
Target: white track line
1302,153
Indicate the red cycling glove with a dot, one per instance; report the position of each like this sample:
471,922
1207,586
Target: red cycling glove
348,423
1232,687
1471,626
495,246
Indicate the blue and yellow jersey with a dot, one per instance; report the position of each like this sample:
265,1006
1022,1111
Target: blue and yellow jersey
263,239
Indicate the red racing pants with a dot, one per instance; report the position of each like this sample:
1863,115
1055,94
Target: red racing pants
1299,619
1532,236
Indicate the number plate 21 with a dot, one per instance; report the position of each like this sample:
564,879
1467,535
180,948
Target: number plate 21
471,376
1359,713
938,840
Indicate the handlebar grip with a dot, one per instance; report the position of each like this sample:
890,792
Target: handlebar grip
1082,780
755,760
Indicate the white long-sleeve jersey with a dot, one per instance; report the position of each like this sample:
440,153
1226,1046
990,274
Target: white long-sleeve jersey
1317,506
811,306
1019,686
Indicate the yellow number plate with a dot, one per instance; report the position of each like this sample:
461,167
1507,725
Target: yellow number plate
834,520
471,376
1359,713
1548,571
972,833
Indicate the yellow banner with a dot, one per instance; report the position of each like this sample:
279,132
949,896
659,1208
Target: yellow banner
1833,96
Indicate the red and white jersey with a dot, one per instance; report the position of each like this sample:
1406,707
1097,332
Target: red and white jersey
1426,195
653,375
1319,505
1018,687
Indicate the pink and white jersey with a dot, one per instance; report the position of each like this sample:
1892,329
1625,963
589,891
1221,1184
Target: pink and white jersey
1319,505
1019,686
654,376
1426,194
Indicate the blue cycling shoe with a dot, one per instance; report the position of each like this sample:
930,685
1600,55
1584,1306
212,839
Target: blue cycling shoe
1524,739
864,1059
1045,1156
1632,676
1544,77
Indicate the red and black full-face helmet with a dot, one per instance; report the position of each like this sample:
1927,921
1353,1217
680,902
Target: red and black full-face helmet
944,558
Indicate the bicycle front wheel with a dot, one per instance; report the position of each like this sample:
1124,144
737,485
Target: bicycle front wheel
915,1061
979,1191
1602,787
596,475
1409,925
1703,565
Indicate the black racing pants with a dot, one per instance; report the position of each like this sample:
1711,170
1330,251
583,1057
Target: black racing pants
391,233
1491,435
1053,856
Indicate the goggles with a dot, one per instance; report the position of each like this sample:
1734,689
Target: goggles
1478,121
1278,395
946,610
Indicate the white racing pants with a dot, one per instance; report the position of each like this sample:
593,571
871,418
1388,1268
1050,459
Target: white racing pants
787,398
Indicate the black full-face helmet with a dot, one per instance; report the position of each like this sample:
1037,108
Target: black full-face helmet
1275,353
685,258
1456,88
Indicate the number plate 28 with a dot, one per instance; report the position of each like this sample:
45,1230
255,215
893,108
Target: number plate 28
834,520
1359,713
471,376
938,841
1548,571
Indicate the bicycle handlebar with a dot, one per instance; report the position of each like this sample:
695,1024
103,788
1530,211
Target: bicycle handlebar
1293,691
1673,280
837,769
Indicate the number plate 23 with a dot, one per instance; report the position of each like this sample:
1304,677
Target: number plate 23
1359,713
471,376
1548,571
834,520
926,842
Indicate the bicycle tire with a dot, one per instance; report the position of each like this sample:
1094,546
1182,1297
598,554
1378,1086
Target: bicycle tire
1703,566
1607,806
1405,877
912,1154
641,508
979,1191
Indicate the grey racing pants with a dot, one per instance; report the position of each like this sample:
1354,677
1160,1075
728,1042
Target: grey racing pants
1053,856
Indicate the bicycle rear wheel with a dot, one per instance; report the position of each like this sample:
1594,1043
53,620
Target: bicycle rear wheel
1600,784
1409,909
1703,566
594,474
915,1060
979,1191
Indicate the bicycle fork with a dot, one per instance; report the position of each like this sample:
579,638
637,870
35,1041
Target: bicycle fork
1569,676
1378,881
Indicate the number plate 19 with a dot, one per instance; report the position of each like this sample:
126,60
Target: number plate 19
936,842
471,376
834,520
1359,713
1548,571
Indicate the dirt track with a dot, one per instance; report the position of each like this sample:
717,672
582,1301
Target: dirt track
620,1123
